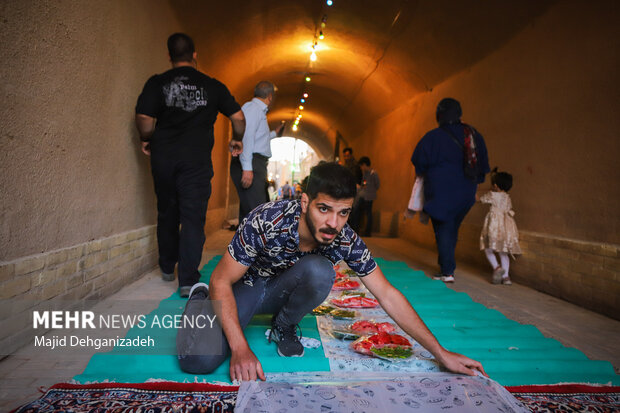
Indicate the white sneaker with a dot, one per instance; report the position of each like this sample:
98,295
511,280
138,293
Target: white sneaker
444,278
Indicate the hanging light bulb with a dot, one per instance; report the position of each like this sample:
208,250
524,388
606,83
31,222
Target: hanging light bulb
301,107
295,128
321,35
302,100
308,78
305,95
329,2
313,56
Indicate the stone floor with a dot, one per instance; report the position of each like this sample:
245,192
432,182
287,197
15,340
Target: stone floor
24,373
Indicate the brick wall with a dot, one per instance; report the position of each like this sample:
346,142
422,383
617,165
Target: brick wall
88,271
584,273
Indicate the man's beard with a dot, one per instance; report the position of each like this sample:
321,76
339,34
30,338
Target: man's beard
313,231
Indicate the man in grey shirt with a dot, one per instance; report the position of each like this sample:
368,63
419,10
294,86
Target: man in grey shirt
367,193
249,170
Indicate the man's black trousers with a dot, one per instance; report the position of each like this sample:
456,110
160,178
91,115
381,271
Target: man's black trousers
256,194
183,189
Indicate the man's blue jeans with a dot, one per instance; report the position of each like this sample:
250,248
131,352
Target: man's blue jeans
291,295
446,235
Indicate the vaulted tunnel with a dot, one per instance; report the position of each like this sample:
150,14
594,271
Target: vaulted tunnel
537,78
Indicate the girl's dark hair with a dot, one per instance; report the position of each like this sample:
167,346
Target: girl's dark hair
332,179
503,180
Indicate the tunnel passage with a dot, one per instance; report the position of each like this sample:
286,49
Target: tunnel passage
538,79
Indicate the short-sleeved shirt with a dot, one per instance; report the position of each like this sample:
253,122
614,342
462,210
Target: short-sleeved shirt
186,103
267,241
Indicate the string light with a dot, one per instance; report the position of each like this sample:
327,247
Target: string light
308,78
302,100
329,2
301,107
313,56
295,128
305,95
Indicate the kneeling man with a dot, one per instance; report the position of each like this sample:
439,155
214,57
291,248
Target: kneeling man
280,261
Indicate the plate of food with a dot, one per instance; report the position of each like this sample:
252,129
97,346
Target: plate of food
346,273
385,346
343,333
369,327
352,293
355,301
345,284
341,314
323,310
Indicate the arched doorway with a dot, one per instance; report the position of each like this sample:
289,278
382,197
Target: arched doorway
290,161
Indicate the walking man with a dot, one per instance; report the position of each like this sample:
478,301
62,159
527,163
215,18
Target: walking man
175,114
249,170
367,194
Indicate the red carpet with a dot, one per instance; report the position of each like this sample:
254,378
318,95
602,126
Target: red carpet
150,397
568,398
202,397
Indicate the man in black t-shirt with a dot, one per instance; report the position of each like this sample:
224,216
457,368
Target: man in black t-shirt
175,114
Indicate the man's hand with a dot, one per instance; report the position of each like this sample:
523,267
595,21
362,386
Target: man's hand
245,366
146,148
246,179
280,129
458,363
235,147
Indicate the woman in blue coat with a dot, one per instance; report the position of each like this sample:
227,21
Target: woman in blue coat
453,160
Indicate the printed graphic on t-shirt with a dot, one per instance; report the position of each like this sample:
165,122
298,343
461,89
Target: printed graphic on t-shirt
180,94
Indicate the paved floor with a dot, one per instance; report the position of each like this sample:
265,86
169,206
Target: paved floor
22,374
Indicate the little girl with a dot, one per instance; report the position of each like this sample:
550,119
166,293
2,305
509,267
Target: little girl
499,232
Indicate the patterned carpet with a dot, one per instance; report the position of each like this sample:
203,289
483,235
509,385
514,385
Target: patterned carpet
200,397
568,398
134,397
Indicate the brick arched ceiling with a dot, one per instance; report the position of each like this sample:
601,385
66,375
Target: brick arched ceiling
375,54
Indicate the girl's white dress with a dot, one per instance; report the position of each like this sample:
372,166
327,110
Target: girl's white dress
499,231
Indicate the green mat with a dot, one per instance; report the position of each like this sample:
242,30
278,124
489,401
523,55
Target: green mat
512,353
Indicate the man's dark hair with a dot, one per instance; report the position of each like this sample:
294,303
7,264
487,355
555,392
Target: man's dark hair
264,88
347,149
503,180
180,48
333,179
364,160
